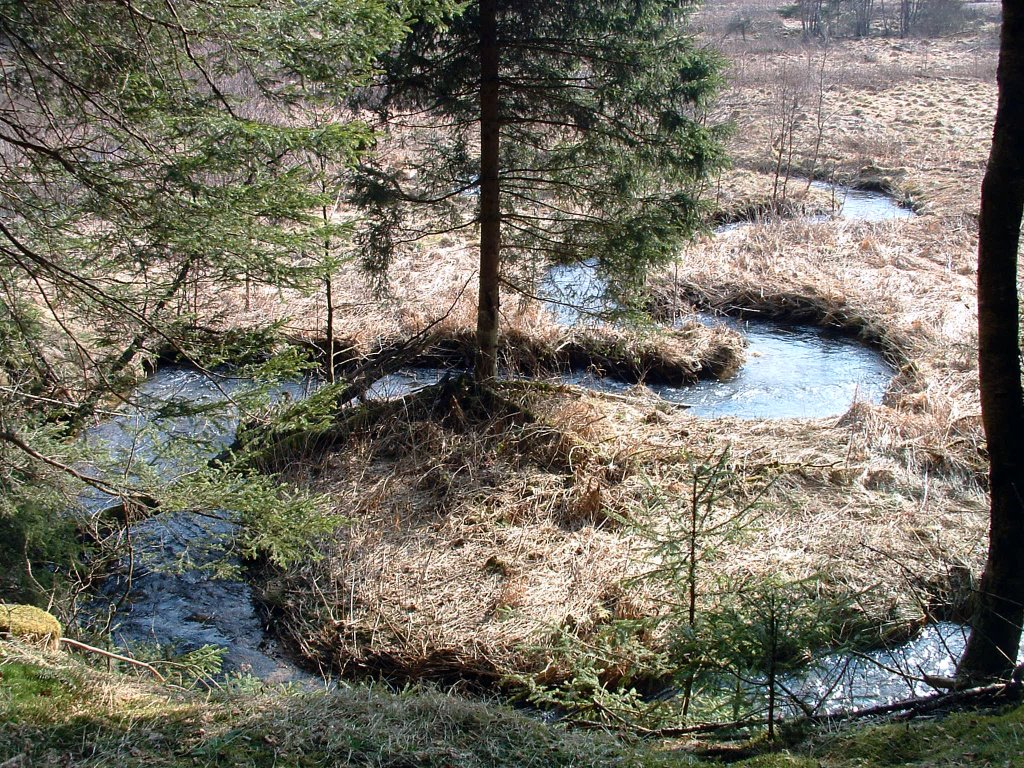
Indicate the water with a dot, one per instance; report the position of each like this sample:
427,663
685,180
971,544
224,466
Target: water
174,596
177,599
789,372
844,681
884,676
863,205
850,205
404,382
575,293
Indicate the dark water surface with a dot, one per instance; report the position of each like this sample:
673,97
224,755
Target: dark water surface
174,593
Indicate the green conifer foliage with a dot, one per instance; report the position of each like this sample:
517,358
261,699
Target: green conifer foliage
578,125
148,144
152,152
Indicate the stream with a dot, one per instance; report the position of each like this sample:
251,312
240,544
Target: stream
173,594
862,204
175,598
790,371
848,204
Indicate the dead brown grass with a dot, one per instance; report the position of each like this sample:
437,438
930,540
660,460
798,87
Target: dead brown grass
914,115
469,545
473,541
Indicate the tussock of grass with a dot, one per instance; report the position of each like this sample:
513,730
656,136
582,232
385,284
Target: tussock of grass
654,355
478,531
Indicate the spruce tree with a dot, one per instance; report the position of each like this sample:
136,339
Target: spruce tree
568,131
146,145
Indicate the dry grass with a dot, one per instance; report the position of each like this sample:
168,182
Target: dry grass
58,712
914,116
469,545
473,541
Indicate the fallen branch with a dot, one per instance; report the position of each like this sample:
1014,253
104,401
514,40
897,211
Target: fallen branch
911,707
110,655
920,705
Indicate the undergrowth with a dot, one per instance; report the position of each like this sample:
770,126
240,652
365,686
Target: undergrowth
56,711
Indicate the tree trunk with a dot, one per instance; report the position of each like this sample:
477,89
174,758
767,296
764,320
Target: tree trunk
490,203
996,628
329,291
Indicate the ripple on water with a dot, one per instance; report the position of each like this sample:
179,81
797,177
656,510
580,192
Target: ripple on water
844,681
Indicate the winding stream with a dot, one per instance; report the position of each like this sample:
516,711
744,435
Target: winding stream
862,204
791,371
848,204
175,598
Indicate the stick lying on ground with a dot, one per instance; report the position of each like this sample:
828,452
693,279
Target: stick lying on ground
110,655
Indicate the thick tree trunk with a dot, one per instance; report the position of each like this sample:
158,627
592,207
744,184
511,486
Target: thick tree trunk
490,202
996,628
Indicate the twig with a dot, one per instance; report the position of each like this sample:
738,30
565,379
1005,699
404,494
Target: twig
95,482
110,655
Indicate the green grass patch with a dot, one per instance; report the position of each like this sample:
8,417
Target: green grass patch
55,711
29,692
963,738
62,713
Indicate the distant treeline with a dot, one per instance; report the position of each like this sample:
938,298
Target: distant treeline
861,18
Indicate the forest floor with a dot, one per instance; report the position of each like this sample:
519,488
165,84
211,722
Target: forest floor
56,711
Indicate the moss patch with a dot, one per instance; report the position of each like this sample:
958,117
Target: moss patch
29,622
964,738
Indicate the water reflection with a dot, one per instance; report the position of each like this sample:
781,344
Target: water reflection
789,372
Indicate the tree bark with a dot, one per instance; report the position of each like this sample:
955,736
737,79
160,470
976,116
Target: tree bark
490,202
331,357
996,627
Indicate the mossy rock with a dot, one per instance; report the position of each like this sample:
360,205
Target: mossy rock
30,623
